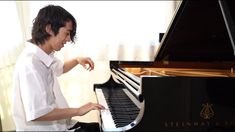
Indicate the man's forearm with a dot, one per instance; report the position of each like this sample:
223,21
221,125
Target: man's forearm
68,65
58,114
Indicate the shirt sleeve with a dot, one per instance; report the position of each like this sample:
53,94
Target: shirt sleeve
38,99
57,66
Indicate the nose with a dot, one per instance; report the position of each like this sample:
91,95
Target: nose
68,38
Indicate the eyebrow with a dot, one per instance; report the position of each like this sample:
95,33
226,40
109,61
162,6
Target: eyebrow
69,30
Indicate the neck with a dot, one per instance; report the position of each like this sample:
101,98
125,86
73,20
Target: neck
46,48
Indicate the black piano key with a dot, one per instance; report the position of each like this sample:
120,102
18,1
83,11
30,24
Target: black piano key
122,109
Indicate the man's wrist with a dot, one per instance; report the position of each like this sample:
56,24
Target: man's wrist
77,61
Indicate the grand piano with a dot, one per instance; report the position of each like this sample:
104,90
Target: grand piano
190,86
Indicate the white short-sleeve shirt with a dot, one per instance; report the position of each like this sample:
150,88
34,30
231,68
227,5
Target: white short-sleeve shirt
36,91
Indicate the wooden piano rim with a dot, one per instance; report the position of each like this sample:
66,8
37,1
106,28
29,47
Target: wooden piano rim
181,72
198,69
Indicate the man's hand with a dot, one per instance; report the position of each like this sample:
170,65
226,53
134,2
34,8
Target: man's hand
84,61
88,107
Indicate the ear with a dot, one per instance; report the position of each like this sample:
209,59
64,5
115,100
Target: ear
48,29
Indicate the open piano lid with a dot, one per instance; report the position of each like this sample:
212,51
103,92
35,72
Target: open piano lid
200,32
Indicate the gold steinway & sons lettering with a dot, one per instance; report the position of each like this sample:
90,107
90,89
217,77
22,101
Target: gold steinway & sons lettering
188,124
206,113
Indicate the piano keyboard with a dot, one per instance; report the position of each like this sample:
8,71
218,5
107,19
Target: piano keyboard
121,111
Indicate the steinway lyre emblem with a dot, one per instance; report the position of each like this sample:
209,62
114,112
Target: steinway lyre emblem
207,111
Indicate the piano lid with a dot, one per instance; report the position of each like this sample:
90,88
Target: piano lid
200,32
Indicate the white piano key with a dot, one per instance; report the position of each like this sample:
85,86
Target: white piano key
107,120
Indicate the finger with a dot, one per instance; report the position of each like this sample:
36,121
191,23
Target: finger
91,64
91,68
88,67
84,66
99,107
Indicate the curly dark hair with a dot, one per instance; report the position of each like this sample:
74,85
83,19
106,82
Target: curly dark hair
57,17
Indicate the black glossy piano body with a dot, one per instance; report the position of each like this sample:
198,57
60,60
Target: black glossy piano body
190,86
188,104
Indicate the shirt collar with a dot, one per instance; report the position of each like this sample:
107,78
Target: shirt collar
42,55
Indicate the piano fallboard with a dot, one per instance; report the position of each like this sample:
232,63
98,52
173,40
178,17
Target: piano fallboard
188,104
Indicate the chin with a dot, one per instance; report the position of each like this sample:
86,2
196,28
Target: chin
58,49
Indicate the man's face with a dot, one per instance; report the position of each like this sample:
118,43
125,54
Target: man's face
57,42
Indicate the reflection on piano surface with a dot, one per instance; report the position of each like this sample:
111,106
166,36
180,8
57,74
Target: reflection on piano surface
190,84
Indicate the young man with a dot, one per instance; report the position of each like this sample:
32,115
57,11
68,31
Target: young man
38,103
